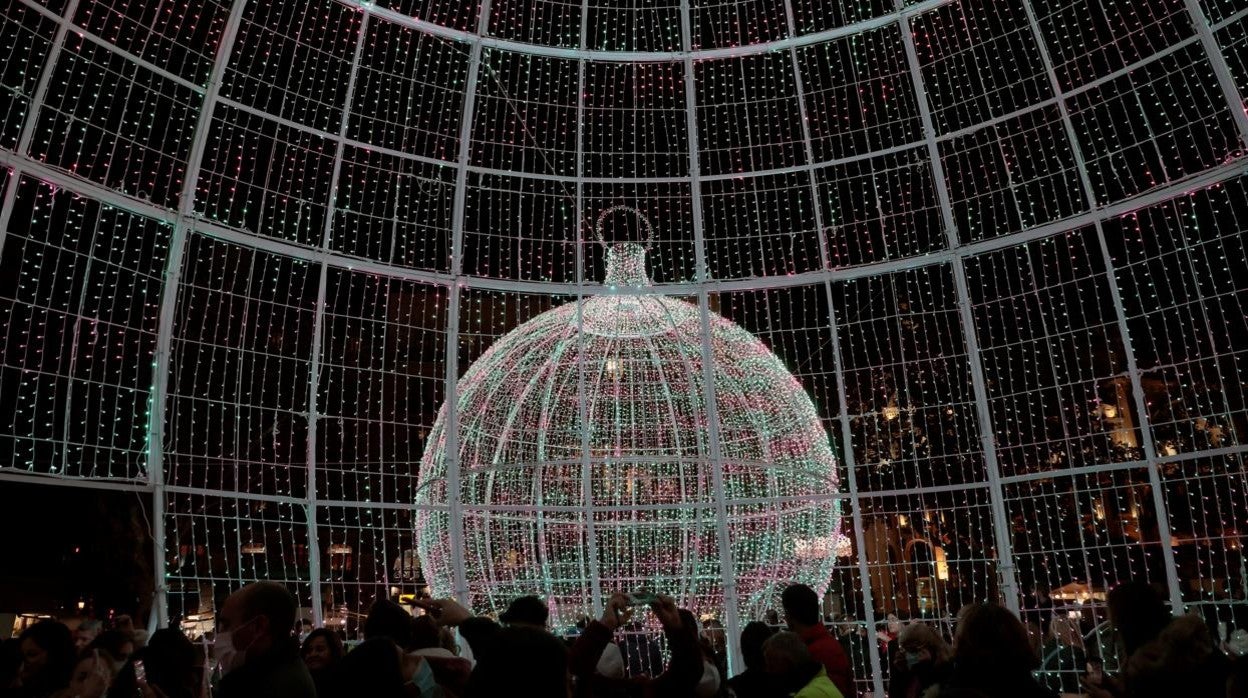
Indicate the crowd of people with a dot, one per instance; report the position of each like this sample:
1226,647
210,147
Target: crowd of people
256,652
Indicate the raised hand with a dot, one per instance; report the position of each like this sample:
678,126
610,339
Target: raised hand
447,612
667,613
617,611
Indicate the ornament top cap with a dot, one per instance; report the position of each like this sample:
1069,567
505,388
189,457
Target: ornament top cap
626,265
626,261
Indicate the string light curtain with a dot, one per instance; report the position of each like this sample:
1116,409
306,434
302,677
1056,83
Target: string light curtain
248,251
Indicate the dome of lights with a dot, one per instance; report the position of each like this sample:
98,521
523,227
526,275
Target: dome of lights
266,264
585,464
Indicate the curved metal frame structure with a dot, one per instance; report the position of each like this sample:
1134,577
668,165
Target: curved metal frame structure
186,222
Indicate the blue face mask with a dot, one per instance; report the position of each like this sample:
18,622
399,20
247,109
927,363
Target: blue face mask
914,658
423,679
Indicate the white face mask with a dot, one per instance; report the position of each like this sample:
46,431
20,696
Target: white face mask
228,656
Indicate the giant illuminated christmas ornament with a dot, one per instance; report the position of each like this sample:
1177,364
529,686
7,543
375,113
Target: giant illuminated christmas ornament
570,498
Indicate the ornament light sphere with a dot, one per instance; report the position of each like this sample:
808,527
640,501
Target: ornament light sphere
571,500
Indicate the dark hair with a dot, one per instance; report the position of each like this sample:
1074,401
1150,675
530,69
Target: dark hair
526,609
111,641
425,633
10,661
522,654
481,634
371,669
273,601
388,619
1138,613
688,621
1183,660
1237,678
169,660
992,640
753,636
55,639
332,641
801,604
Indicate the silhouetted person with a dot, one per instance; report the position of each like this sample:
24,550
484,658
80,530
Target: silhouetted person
527,611
47,659
378,668
679,680
922,661
1184,660
795,670
388,619
86,633
754,682
255,648
525,661
801,612
992,656
322,652
117,643
1137,613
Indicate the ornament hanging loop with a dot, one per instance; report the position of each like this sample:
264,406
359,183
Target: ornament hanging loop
647,228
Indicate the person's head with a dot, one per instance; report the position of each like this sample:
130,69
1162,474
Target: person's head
172,662
921,643
252,620
373,668
425,633
526,611
47,654
124,623
116,643
523,657
92,675
1176,663
388,619
801,606
86,632
713,633
752,638
689,622
321,649
1137,613
892,623
481,634
992,640
785,653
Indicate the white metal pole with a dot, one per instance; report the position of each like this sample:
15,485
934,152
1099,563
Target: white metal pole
1001,528
454,297
162,364
1226,81
318,329
727,568
860,536
591,528
32,114
1137,389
